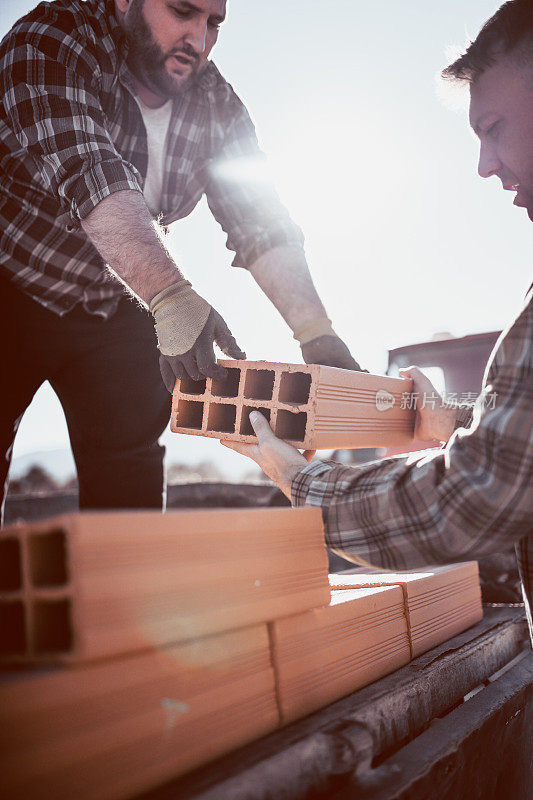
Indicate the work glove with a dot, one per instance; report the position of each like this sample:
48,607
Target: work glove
321,345
186,327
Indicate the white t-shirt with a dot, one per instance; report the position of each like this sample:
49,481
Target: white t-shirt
156,122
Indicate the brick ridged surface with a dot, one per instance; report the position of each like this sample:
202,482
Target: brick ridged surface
312,407
131,585
327,653
440,602
111,730
94,585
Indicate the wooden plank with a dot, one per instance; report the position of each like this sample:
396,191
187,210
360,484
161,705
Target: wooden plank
482,749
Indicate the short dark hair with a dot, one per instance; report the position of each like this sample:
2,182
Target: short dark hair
508,32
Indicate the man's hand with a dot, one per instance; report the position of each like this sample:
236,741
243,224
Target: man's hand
279,460
431,423
200,360
331,352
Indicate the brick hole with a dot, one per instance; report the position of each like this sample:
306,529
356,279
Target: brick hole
294,387
52,626
229,386
188,386
222,418
12,632
291,426
246,425
259,384
190,414
10,566
48,558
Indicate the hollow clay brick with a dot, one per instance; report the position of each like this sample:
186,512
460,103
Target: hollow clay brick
93,585
310,406
327,653
440,601
122,726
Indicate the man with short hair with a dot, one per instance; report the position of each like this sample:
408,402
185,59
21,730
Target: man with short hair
112,115
475,496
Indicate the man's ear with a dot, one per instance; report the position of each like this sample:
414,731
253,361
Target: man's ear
122,5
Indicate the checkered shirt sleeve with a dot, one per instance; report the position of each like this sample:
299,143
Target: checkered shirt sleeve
71,134
464,415
471,498
49,92
240,193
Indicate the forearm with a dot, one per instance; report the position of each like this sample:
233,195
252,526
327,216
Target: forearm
364,518
283,275
123,232
445,420
121,229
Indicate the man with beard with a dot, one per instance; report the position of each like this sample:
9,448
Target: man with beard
475,496
112,115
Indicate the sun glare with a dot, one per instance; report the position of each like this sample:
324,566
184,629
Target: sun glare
332,173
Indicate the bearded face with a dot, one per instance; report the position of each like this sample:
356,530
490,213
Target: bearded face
170,40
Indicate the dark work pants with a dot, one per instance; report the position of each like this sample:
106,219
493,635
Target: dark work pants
106,375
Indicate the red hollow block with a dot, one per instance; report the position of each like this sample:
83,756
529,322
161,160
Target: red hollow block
327,653
114,729
94,585
310,406
440,602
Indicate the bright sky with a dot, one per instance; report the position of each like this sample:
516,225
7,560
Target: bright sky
403,238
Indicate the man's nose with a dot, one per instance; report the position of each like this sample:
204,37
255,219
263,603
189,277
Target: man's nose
196,35
489,163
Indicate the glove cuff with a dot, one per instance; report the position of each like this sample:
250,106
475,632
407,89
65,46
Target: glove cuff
312,330
171,291
180,316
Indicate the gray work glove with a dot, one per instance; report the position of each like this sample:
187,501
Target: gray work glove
331,352
321,345
186,327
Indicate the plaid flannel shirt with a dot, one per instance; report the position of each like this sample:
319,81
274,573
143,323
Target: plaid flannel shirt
469,499
71,134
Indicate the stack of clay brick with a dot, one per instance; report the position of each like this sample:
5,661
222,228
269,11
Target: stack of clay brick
138,646
312,407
